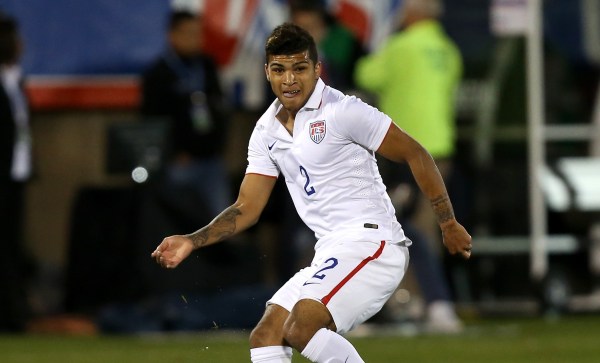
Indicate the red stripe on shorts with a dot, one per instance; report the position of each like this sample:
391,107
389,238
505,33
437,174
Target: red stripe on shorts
362,264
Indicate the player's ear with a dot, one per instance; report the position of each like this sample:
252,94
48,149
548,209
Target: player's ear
318,70
267,72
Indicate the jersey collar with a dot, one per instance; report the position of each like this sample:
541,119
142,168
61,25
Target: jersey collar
314,101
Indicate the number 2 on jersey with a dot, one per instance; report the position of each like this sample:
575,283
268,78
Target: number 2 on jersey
311,190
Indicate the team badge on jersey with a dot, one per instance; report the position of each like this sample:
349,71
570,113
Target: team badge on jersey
317,131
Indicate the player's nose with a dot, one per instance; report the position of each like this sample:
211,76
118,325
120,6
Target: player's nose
289,77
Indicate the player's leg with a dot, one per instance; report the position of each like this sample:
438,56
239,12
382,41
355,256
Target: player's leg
267,339
308,316
269,330
351,283
267,344
311,330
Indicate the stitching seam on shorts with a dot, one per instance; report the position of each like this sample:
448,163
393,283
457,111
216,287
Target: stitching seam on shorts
362,264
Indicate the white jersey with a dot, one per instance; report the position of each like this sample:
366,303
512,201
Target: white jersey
329,165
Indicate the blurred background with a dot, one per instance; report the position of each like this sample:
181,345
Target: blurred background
527,184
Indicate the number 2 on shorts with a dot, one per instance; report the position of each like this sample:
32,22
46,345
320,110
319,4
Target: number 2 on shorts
331,263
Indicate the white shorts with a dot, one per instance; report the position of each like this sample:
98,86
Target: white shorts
352,279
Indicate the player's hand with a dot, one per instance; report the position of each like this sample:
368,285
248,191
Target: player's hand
172,251
456,239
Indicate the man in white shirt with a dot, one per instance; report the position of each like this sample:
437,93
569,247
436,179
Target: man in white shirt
323,143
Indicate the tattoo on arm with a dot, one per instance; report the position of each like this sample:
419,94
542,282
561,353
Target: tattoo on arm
442,208
222,227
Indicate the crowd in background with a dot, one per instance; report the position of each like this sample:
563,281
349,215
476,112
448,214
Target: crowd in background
413,77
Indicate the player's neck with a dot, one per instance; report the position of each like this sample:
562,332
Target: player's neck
287,119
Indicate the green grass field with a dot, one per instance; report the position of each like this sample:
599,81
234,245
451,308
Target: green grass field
574,339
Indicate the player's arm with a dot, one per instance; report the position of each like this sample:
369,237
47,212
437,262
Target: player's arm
241,215
398,146
244,213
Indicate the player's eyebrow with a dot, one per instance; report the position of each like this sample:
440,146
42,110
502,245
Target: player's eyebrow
301,62
295,64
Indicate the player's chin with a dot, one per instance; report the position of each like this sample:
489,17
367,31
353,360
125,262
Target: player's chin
290,101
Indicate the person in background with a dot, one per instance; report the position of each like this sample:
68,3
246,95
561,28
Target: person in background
15,171
183,87
415,76
339,48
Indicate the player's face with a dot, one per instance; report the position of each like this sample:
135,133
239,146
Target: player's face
293,78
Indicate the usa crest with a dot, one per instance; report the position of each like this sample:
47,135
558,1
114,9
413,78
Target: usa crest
317,131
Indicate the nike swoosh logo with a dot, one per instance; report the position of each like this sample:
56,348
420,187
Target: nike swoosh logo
310,283
273,144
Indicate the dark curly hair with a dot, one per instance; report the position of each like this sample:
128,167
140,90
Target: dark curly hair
287,39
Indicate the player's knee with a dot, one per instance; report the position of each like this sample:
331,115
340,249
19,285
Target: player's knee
260,337
257,337
306,318
297,334
269,330
265,335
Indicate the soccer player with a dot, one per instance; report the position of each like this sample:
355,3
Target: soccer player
323,142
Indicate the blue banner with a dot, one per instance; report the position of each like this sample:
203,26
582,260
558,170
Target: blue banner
89,37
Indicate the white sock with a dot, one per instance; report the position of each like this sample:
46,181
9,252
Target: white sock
273,354
327,346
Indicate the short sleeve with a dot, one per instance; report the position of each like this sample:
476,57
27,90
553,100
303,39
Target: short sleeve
362,123
259,160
